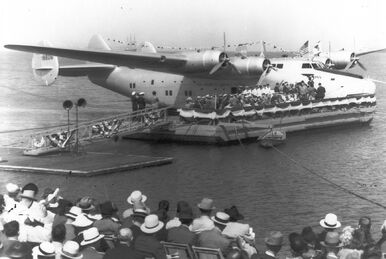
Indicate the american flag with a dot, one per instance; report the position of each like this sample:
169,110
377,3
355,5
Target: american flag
303,49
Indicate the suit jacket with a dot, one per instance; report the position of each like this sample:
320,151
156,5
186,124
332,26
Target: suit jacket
90,253
149,246
214,239
136,231
181,234
122,251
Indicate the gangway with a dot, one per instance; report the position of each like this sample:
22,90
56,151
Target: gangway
67,139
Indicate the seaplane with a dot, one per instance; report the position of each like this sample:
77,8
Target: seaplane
173,77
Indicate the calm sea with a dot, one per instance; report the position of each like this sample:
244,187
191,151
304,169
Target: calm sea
272,192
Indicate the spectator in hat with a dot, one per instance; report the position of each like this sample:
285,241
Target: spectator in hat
19,250
147,243
213,238
134,101
124,248
11,198
273,243
109,224
297,245
141,101
235,229
45,250
86,204
136,200
137,219
330,223
182,234
204,222
81,223
70,250
27,204
11,232
71,216
91,244
331,245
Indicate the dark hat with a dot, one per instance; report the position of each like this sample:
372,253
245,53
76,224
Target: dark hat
141,213
108,208
185,213
206,204
275,238
308,234
31,187
86,204
365,221
234,213
18,250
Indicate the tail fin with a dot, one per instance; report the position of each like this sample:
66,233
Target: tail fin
262,54
98,43
45,67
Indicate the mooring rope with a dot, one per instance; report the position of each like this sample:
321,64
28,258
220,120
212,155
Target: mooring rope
327,180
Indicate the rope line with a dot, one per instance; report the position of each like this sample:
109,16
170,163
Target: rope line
329,181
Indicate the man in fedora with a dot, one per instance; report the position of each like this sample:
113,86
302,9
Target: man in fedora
273,243
203,222
124,248
91,244
70,250
214,238
330,223
182,234
331,245
27,204
147,243
81,224
45,250
70,218
109,224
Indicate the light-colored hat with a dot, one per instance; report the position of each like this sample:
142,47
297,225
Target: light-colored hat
12,188
330,221
29,194
136,196
82,221
90,236
74,212
221,218
151,224
206,204
70,250
275,238
331,240
44,249
133,93
201,224
141,93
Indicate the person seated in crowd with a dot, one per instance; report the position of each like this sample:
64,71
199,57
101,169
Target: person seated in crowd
11,198
71,216
203,222
309,237
297,245
81,224
11,232
91,244
70,250
274,243
44,250
124,247
137,218
109,224
214,238
363,232
330,223
331,245
58,235
147,243
182,233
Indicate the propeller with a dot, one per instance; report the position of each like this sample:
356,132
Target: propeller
354,60
224,61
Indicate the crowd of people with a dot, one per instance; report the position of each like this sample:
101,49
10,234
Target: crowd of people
50,226
259,96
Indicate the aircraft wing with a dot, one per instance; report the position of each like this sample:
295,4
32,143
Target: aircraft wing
368,52
149,61
83,69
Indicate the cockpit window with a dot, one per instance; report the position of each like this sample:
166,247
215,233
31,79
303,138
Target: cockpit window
279,65
306,65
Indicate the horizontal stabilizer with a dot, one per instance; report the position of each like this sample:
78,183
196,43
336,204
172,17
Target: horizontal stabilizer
84,69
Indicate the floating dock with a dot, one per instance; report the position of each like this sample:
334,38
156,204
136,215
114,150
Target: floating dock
89,163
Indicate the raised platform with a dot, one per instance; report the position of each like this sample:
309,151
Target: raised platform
82,164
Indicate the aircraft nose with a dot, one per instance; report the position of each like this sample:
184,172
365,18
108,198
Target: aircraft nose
369,87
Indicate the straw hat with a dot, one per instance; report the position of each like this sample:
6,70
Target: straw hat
221,218
136,196
330,221
275,238
12,188
206,204
74,212
46,249
82,221
70,250
151,224
90,236
331,240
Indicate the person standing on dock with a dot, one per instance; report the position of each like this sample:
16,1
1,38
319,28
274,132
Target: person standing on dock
134,101
141,101
320,92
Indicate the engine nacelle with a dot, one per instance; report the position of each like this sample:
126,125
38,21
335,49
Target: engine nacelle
251,65
203,61
340,59
45,68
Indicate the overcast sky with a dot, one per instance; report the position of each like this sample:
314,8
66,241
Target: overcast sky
196,23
